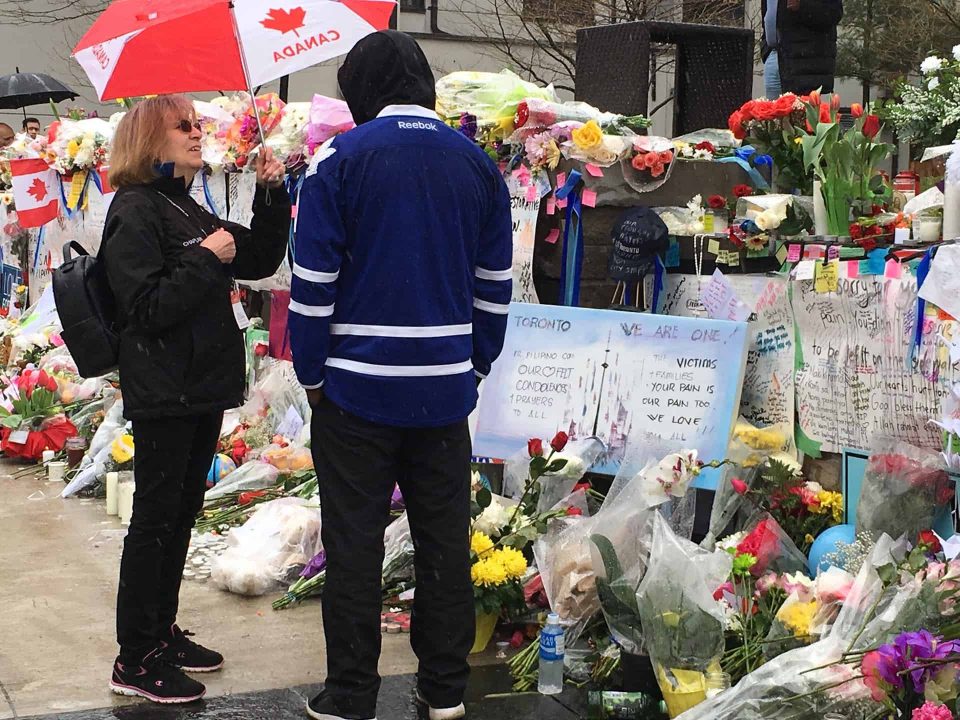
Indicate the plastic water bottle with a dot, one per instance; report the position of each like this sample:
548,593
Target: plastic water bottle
551,657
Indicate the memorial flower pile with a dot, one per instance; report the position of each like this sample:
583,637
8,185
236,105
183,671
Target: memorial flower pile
496,574
774,128
926,111
77,145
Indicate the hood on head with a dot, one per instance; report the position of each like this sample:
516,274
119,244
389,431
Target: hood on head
385,68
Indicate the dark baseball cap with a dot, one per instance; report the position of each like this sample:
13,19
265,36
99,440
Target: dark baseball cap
637,238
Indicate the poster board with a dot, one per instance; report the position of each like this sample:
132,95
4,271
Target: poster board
524,213
768,396
617,375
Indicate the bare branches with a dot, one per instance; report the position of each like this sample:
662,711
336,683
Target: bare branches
44,12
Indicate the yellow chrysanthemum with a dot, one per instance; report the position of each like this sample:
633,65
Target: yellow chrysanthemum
832,501
480,543
513,562
588,137
798,617
487,572
122,449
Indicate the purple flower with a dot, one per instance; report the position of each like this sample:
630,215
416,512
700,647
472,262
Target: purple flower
316,565
396,501
468,125
907,651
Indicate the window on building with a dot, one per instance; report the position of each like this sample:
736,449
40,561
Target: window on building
578,13
413,6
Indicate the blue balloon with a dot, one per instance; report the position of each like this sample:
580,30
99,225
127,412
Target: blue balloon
826,543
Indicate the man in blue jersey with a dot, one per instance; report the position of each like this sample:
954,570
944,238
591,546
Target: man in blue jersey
401,285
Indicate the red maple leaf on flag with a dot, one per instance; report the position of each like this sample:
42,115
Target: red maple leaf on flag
285,20
38,189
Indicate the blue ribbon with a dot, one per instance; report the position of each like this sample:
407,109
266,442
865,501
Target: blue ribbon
922,269
36,252
207,195
741,156
63,199
572,264
293,187
659,272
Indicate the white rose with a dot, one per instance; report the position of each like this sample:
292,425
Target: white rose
933,84
931,65
493,518
573,470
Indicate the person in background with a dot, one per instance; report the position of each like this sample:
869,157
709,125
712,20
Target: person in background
799,48
171,265
7,135
401,286
31,126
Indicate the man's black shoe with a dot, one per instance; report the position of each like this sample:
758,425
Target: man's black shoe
155,680
322,707
182,652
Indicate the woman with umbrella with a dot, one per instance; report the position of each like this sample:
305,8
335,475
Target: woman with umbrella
171,265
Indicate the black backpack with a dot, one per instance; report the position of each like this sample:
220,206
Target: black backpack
87,311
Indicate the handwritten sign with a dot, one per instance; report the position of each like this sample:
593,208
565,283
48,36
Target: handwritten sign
857,379
616,375
768,396
721,301
524,213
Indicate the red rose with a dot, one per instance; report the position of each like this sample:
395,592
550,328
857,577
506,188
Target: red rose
930,539
651,159
657,170
516,640
717,202
574,511
559,441
739,486
765,111
639,162
856,231
784,104
871,126
666,156
824,113
747,110
763,543
523,114
260,350
867,244
856,109
742,191
535,447
735,123
705,145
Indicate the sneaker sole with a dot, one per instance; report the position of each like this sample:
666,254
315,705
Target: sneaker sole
130,691
454,713
323,716
186,669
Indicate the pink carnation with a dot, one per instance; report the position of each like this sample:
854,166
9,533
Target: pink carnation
931,711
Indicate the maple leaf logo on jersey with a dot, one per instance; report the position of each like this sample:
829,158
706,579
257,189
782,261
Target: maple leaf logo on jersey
38,189
285,20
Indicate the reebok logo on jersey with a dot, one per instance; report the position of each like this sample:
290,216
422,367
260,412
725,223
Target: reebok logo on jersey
416,125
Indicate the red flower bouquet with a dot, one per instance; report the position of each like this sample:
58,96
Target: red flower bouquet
772,127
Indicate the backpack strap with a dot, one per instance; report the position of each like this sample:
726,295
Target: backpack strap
74,245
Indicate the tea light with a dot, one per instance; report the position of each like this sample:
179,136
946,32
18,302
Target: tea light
113,479
56,471
48,456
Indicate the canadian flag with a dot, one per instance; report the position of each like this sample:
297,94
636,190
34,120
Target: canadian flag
103,184
34,192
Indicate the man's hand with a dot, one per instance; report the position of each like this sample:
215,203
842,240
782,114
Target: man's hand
315,397
793,4
221,244
270,171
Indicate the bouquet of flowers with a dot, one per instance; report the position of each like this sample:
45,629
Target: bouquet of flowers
589,144
536,114
496,573
493,98
682,624
774,128
78,145
328,118
649,163
902,489
243,134
928,114
289,139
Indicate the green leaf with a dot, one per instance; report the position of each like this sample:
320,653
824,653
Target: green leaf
557,465
12,421
484,498
611,563
537,466
887,573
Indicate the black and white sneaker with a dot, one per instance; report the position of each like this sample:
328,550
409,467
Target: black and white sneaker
155,680
448,713
182,652
322,707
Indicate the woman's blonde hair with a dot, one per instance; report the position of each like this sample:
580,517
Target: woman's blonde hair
141,137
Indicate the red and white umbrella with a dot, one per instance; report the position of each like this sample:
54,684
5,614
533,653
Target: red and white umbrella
147,47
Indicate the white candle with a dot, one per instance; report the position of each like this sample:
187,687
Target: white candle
821,226
951,209
48,456
56,471
112,480
125,502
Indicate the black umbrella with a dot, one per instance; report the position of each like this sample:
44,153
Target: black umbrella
23,89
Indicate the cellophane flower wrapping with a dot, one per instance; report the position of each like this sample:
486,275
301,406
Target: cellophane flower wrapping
492,98
289,139
328,118
536,114
94,462
648,178
903,486
773,548
273,546
798,685
398,551
580,454
255,475
682,623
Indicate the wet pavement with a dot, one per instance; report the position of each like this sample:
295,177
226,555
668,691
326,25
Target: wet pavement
488,698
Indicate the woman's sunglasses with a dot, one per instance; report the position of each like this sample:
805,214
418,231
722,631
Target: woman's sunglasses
185,126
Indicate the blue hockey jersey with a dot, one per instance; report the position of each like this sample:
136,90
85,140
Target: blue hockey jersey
402,270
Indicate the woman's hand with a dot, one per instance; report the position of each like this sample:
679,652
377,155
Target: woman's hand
270,171
221,244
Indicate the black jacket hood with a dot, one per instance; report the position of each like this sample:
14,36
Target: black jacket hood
385,68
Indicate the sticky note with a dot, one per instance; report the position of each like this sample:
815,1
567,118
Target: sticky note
865,268
852,268
733,258
551,206
893,269
562,203
713,247
531,193
782,255
589,198
826,276
804,270
593,170
673,254
552,236
707,221
561,179
877,261
794,253
833,252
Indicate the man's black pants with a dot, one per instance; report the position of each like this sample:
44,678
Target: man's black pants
171,465
358,463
